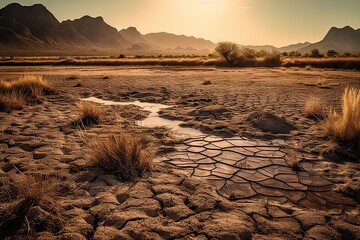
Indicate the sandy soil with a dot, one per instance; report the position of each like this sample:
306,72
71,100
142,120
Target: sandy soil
168,204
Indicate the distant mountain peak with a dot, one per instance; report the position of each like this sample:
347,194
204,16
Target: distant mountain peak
345,39
89,18
132,29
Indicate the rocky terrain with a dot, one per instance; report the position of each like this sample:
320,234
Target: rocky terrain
232,183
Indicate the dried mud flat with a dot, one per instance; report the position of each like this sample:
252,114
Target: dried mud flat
232,183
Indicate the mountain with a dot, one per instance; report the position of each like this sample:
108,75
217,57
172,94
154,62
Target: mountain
172,41
294,47
142,48
341,40
38,24
268,48
98,32
34,30
132,35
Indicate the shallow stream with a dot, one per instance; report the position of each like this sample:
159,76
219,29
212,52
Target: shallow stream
153,119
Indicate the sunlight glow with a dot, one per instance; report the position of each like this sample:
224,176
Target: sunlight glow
253,22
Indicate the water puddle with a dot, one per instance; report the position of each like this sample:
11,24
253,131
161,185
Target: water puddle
153,119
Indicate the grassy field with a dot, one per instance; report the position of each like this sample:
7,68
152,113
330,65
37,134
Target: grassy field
267,61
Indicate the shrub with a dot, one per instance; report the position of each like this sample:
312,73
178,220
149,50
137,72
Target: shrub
314,108
122,56
248,53
228,50
123,155
332,53
261,53
294,54
90,113
345,127
271,60
315,53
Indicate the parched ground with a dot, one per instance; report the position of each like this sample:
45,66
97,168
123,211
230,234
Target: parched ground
179,200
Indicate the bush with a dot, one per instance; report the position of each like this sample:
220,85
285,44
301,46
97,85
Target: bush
248,53
228,50
345,127
294,54
332,53
315,53
271,60
123,155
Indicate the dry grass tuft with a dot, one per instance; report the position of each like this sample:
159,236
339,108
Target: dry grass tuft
35,187
27,204
90,113
345,127
28,88
124,154
293,161
314,108
336,63
11,101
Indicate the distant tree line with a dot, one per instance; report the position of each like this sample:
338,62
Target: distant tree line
233,53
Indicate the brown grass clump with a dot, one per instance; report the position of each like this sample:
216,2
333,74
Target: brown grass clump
314,108
346,126
28,88
293,161
337,63
90,113
27,204
35,187
11,101
124,155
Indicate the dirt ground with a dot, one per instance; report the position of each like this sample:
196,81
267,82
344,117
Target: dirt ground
167,204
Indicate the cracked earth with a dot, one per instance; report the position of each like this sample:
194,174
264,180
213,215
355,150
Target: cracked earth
233,184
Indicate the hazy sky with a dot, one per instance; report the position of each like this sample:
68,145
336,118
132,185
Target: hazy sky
253,22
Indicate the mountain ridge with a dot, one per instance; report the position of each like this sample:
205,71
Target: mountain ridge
35,30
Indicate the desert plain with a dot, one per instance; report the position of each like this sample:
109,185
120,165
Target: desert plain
234,181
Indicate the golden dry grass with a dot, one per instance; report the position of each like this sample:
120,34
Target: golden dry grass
345,126
123,155
314,108
11,101
293,161
35,187
22,193
338,63
90,113
28,88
